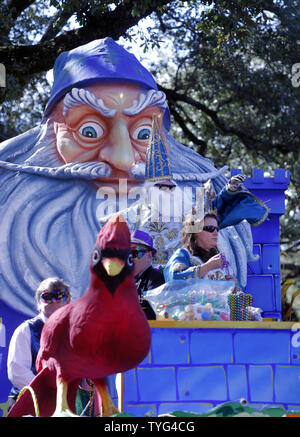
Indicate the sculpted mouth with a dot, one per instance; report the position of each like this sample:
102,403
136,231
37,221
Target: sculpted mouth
115,180
122,181
134,176
119,184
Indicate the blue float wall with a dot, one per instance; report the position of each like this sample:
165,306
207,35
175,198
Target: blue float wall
263,275
9,320
196,369
263,281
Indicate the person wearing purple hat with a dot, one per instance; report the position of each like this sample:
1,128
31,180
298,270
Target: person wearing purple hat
146,276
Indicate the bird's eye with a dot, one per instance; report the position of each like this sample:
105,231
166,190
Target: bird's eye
96,256
142,133
91,131
130,260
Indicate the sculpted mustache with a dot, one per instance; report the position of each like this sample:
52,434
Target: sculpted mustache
95,170
81,170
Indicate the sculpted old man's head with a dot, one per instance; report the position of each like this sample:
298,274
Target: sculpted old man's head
102,104
95,132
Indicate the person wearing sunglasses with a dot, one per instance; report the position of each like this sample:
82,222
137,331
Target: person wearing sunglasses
51,294
199,256
146,276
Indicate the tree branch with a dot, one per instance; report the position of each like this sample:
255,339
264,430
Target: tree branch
249,141
18,6
27,60
292,268
292,246
57,23
202,145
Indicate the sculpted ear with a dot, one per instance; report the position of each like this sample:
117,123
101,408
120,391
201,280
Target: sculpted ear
57,125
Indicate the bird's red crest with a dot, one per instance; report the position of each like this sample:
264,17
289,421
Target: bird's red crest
115,233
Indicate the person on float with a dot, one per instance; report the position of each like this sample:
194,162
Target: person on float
199,256
51,294
202,253
145,275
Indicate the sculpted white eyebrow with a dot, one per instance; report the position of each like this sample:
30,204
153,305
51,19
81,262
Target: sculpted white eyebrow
84,97
81,96
147,98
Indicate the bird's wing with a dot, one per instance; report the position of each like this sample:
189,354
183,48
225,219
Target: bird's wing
53,331
40,398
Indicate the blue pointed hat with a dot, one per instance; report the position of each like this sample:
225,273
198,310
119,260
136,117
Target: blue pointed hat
102,60
157,163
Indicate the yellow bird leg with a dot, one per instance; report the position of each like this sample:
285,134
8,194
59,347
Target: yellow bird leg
108,408
62,407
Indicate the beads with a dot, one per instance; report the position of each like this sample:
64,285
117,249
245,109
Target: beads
225,264
239,303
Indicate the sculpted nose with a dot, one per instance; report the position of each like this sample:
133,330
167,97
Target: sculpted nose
118,152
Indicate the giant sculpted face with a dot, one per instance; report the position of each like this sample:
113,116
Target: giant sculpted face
109,123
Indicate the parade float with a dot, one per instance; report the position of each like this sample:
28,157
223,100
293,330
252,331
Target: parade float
196,365
87,160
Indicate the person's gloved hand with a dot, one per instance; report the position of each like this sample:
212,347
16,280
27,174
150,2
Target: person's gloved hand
235,182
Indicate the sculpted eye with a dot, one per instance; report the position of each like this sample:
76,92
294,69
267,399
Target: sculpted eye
96,256
130,260
91,130
142,133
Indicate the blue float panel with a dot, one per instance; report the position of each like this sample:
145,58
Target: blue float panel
271,258
262,290
256,361
268,232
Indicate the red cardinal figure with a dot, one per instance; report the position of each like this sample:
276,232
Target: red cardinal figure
103,332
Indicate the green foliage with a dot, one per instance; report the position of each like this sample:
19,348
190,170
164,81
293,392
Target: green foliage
236,65
28,27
